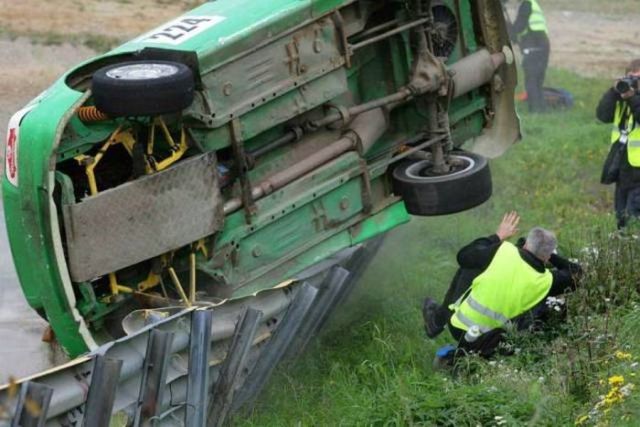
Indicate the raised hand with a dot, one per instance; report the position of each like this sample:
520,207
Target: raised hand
509,225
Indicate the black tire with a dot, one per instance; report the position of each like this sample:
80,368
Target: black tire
143,88
467,186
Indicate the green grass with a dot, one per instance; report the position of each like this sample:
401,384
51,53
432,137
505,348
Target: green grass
372,365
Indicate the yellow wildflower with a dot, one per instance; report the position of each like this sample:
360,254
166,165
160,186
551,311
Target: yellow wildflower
621,355
614,396
581,420
616,380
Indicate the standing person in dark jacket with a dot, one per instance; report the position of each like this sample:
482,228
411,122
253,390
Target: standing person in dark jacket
500,283
531,33
620,106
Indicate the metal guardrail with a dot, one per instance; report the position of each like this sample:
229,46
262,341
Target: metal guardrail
194,368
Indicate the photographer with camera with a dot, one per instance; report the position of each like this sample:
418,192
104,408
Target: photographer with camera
620,105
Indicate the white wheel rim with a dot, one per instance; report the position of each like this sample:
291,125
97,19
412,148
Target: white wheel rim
414,170
142,71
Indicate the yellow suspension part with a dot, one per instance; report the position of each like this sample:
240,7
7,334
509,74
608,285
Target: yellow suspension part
115,287
151,281
177,149
118,137
192,277
90,163
201,246
126,139
150,141
179,288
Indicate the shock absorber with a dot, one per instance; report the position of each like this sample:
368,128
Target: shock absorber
91,114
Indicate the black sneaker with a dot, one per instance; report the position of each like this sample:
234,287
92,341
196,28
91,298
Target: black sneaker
429,314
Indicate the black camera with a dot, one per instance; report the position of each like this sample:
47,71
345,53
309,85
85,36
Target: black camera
626,84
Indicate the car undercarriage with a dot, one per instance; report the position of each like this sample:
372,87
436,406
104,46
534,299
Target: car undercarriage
231,150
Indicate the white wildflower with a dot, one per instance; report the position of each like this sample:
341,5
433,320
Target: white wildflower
555,303
626,390
540,379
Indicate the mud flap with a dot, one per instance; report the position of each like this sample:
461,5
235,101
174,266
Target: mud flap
144,218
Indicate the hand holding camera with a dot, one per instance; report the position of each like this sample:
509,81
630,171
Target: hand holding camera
627,86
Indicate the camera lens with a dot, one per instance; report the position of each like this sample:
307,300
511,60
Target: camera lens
623,86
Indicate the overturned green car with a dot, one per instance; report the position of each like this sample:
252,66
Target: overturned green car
245,142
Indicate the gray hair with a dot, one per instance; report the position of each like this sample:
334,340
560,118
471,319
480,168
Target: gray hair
541,243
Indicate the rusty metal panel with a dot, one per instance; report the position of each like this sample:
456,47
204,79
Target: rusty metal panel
285,65
143,218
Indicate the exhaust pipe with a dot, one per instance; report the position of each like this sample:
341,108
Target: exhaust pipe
363,132
477,69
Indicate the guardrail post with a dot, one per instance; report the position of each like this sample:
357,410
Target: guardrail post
32,406
277,345
198,380
329,293
102,392
154,377
234,362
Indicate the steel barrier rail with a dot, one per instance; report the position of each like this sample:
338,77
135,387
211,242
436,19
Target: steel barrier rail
193,368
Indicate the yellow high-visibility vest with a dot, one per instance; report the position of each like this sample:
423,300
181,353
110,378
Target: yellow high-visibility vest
505,290
537,21
633,136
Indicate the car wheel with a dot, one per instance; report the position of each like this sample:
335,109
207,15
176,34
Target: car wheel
143,88
426,193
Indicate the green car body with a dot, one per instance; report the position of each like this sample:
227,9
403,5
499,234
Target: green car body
342,203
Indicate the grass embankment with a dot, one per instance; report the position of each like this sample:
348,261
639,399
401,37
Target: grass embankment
372,365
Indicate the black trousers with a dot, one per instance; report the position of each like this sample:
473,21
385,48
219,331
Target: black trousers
459,285
626,203
534,64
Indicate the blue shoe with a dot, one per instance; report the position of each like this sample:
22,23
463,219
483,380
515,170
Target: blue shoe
444,357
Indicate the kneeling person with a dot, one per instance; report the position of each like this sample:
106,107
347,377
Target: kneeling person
499,283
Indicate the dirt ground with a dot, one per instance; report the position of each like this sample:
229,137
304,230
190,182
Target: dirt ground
120,18
592,44
41,39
